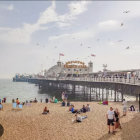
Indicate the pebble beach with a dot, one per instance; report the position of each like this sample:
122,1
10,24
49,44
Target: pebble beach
29,123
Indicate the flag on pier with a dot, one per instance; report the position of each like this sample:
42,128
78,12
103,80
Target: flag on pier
61,54
93,55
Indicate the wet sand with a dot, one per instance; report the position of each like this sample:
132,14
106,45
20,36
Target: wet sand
30,124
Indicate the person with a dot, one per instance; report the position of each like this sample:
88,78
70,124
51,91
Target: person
132,108
80,118
4,100
0,100
46,100
70,107
35,101
17,101
63,96
66,97
117,118
87,108
63,103
124,107
68,103
1,106
41,100
83,109
45,111
13,100
53,99
74,110
110,119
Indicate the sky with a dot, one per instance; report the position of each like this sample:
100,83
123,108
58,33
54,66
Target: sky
33,33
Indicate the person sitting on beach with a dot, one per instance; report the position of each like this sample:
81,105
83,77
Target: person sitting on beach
35,101
68,103
17,101
63,103
79,118
110,119
83,109
117,118
74,110
87,108
45,111
1,106
132,108
70,107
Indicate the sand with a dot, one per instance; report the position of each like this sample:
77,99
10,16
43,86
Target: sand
30,124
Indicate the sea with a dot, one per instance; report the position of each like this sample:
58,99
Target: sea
28,91
22,90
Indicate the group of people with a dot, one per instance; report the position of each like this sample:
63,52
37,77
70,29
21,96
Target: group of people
3,100
84,109
113,119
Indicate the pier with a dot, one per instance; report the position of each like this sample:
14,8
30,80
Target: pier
92,89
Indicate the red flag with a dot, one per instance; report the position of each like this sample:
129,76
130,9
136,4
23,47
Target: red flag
61,54
93,55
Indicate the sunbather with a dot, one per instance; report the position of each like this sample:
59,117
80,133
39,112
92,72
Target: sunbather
79,118
45,111
83,109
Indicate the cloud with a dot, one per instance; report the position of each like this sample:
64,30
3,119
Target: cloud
10,7
109,25
77,8
24,33
7,7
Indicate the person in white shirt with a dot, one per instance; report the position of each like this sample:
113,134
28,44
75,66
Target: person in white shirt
124,107
80,118
110,119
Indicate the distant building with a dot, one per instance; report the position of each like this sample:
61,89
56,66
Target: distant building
70,68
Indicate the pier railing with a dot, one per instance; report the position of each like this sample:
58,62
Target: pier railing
132,81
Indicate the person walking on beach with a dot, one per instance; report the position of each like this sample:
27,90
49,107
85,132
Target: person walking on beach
63,96
124,107
110,119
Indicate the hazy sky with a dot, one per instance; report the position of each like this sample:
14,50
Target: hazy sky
33,33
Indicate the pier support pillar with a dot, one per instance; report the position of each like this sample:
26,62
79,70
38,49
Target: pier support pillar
102,94
90,93
115,96
136,97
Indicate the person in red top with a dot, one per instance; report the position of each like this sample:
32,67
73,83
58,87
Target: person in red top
45,111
